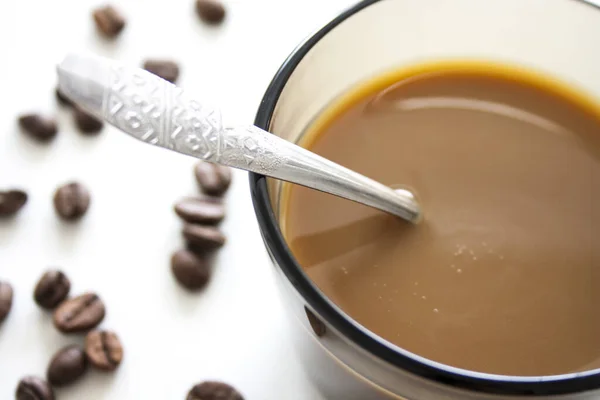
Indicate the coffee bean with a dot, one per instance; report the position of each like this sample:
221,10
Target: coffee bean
71,201
213,179
67,365
11,201
52,288
201,252
317,326
103,350
191,270
34,388
166,69
62,99
200,210
87,123
109,21
210,11
211,390
203,237
39,127
6,298
79,314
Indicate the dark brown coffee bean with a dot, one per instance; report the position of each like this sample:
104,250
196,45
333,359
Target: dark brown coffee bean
67,365
6,298
203,237
34,388
38,126
79,314
202,252
200,210
210,11
52,288
213,179
191,270
211,390
62,99
103,350
166,69
315,323
71,201
11,202
87,123
109,21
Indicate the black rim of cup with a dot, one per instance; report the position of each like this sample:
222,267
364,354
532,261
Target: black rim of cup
283,258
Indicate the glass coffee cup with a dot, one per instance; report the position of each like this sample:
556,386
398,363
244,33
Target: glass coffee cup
344,359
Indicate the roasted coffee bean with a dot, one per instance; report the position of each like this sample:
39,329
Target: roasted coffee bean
213,179
109,21
71,201
200,210
166,69
39,127
62,99
103,350
203,237
52,288
191,270
79,314
67,365
210,11
315,323
6,298
11,201
211,390
87,123
34,388
206,254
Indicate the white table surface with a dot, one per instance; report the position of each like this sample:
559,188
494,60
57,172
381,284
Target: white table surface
233,331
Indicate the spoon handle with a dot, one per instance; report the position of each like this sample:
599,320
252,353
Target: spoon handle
159,113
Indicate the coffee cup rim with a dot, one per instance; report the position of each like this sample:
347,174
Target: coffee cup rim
361,337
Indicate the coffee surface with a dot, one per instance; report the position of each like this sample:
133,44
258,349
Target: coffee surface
503,274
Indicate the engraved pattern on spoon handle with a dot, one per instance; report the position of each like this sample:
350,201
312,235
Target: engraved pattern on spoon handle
160,113
157,112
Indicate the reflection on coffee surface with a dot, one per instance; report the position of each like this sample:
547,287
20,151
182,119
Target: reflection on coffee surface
503,275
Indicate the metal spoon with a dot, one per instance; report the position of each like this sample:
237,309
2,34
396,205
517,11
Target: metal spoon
160,113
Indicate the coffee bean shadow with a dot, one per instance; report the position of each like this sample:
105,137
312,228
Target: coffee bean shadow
2,326
42,323
7,226
33,150
212,32
86,144
68,233
188,301
97,382
104,46
44,317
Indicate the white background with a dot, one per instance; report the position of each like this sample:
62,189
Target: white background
233,331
